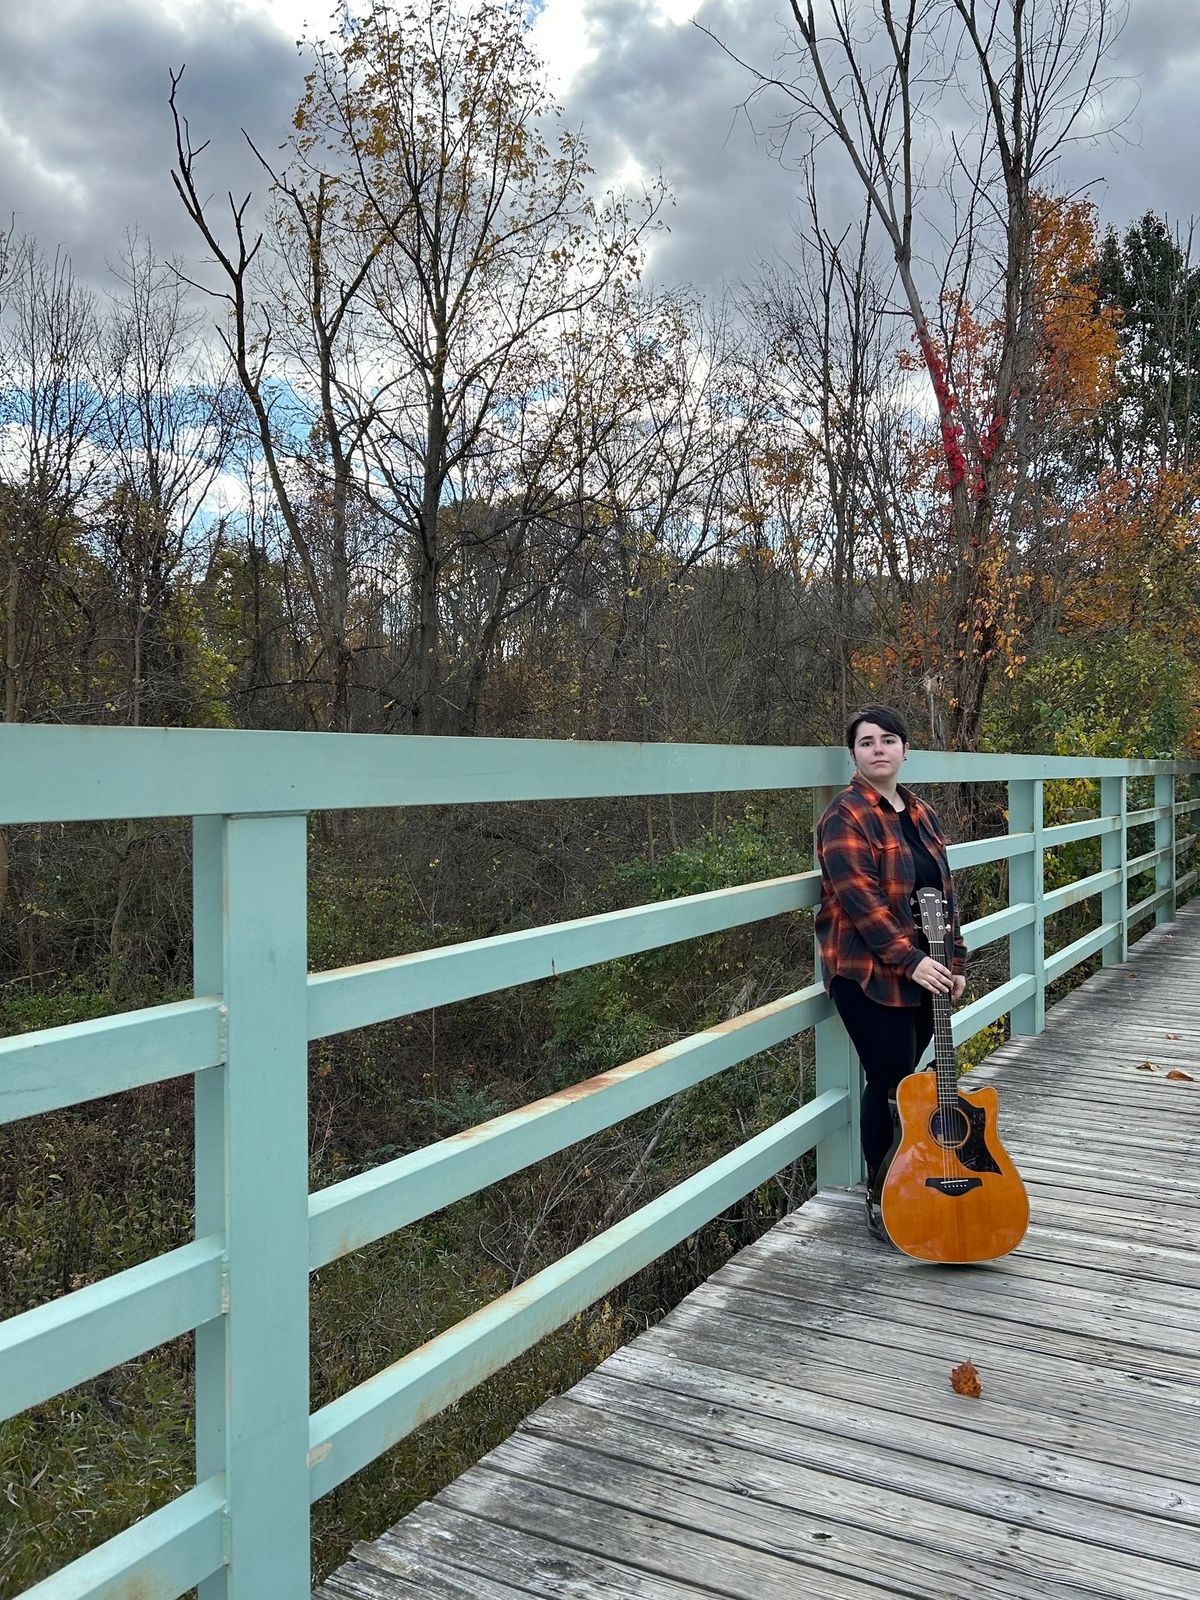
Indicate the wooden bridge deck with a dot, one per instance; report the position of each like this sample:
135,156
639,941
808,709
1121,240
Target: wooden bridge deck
790,1430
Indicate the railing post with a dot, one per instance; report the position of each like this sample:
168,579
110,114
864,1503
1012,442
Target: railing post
1114,853
1027,946
208,973
252,1377
839,1157
1164,839
1186,847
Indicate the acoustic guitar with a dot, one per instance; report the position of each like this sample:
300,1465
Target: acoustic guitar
951,1193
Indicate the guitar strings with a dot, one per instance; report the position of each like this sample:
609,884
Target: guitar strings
948,1045
940,1010
948,957
944,1045
933,909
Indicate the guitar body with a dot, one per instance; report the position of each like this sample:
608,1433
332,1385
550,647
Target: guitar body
951,1193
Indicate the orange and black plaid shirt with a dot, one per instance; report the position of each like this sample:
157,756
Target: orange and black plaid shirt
865,925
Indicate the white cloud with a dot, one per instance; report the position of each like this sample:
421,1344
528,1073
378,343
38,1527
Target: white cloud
85,134
676,11
58,178
566,38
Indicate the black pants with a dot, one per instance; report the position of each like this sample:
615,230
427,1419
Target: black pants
890,1040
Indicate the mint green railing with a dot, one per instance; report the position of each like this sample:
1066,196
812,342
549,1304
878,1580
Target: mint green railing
242,1533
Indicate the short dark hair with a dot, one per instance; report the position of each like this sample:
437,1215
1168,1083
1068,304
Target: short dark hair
883,717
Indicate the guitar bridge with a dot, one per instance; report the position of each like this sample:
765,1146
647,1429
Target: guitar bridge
953,1186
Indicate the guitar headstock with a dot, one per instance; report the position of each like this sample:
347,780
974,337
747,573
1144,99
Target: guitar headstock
932,908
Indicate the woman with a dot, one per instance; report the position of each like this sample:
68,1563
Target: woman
877,843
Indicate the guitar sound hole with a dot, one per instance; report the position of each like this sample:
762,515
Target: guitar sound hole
949,1127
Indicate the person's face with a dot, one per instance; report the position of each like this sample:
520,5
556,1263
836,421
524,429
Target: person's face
878,753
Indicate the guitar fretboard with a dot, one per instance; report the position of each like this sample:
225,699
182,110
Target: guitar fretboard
932,910
943,1052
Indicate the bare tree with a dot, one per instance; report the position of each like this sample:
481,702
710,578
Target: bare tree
289,333
1012,82
402,311
166,426
830,332
672,482
491,246
49,404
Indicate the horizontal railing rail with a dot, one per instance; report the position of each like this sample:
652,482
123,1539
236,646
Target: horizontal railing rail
241,1286
352,997
82,1061
72,774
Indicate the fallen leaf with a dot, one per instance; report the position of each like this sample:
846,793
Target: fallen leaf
1147,1066
1180,1076
965,1380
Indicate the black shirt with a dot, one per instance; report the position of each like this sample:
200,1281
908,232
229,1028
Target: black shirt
927,874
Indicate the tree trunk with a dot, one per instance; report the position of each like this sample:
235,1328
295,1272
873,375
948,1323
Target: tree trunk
5,867
427,672
427,688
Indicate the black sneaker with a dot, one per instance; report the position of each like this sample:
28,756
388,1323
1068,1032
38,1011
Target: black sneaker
875,1225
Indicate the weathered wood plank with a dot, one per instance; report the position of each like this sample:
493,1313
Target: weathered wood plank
1160,1123
1168,1109
1142,1402
821,1421
1086,1186
619,1525
1040,1352
876,1536
421,1576
929,1296
1061,1423
830,1255
841,1225
1082,1172
1058,1243
1138,1264
1175,1219
521,1558
854,1475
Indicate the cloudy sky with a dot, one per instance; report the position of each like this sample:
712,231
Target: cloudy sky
85,133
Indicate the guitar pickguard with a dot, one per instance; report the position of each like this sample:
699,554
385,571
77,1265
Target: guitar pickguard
973,1153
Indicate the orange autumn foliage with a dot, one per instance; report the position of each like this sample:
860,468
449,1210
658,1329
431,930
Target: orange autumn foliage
1135,554
1077,344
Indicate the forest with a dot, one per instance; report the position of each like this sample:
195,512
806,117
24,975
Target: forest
416,442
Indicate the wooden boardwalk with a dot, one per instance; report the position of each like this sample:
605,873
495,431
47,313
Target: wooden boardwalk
790,1431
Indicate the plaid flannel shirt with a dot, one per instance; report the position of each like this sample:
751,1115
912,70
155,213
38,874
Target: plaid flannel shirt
865,926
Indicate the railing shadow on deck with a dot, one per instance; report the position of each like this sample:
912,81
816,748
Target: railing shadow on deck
242,1532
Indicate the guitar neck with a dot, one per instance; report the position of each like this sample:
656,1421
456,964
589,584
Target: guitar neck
943,1051
935,924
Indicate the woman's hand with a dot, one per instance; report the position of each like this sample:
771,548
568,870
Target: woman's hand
938,979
